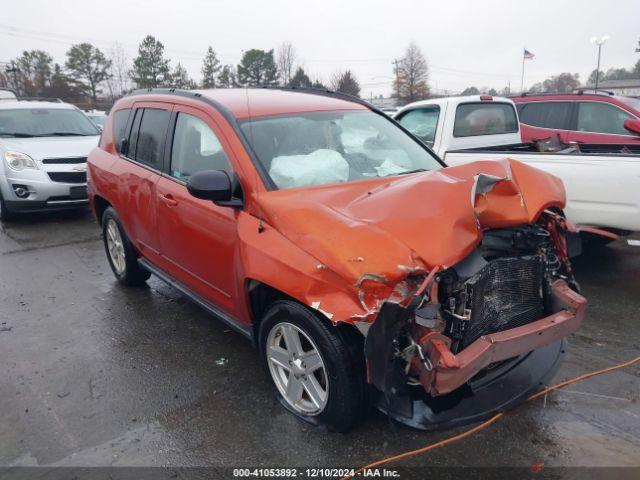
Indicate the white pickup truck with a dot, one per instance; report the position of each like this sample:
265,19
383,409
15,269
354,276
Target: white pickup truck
602,181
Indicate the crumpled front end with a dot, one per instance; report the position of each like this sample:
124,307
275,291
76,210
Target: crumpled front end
478,336
458,279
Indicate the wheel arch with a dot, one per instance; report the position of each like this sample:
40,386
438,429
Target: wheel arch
100,204
262,295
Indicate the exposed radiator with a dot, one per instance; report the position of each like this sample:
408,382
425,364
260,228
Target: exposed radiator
506,293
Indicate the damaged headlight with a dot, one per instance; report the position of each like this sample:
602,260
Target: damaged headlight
19,161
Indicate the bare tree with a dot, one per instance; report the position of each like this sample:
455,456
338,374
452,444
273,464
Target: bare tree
412,75
119,83
286,62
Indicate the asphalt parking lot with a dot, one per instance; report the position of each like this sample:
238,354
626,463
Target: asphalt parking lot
93,373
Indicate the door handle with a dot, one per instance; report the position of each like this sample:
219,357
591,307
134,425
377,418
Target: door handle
168,200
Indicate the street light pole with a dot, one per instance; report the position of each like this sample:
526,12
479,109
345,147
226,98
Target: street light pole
598,67
599,41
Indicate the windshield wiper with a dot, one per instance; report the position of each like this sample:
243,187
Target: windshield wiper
52,134
417,170
17,134
65,134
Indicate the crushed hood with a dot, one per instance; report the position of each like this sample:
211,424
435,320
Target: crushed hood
386,228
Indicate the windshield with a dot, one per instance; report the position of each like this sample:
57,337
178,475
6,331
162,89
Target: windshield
45,122
631,102
422,122
98,119
484,118
332,147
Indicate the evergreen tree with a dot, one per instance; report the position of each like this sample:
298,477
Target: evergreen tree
300,79
227,77
180,78
150,68
210,69
257,68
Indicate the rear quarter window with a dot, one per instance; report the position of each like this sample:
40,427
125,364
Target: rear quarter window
474,119
120,119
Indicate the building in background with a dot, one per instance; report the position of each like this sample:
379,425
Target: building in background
628,88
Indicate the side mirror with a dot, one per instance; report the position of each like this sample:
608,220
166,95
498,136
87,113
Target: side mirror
214,185
122,146
633,125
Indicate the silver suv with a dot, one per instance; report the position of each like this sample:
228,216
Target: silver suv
43,156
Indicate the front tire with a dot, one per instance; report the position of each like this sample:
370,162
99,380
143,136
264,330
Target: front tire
317,369
123,259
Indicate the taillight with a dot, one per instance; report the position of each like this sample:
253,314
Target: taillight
486,98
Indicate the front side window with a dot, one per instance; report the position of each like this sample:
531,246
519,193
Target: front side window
474,119
601,118
318,148
195,148
151,136
422,122
45,122
546,114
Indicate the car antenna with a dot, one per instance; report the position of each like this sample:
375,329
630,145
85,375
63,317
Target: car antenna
256,186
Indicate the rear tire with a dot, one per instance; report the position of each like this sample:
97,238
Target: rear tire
320,377
122,257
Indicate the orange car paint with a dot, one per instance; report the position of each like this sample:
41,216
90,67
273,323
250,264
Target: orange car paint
382,230
340,248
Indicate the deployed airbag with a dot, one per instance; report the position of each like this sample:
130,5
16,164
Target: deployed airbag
319,167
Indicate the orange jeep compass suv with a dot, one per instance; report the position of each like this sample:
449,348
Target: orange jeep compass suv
361,268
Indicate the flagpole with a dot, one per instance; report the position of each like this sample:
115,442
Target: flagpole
522,77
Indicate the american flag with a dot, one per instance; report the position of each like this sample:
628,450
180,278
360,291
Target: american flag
528,55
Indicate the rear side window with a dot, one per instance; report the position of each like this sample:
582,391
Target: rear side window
474,119
422,122
601,118
151,137
119,127
546,114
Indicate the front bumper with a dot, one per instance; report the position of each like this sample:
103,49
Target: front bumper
496,371
453,371
498,390
44,194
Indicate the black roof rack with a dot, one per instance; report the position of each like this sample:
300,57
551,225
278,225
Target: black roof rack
321,91
315,91
310,90
580,91
594,91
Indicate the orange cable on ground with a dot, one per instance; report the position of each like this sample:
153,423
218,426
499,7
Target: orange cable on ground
486,423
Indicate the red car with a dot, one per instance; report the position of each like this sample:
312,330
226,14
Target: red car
580,117
340,245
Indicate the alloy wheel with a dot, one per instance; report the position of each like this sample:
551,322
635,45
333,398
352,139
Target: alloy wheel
115,246
297,369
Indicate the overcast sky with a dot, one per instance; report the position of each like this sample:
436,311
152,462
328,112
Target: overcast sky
465,42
